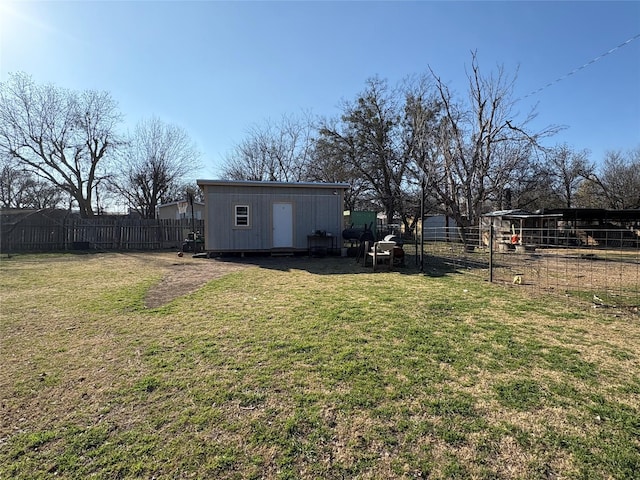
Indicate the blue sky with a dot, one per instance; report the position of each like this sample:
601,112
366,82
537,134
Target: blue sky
217,68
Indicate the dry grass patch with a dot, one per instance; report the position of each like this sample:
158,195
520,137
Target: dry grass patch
305,368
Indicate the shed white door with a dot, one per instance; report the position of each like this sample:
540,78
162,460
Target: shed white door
282,225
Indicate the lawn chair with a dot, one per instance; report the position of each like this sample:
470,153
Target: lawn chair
380,252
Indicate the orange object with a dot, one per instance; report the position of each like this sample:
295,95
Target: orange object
514,239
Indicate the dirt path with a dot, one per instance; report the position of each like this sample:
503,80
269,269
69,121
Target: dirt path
183,275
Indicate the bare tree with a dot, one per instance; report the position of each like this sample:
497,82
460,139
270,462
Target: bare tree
381,143
19,188
14,186
479,144
181,191
618,181
567,169
369,137
273,151
62,136
422,112
590,195
530,189
333,161
153,165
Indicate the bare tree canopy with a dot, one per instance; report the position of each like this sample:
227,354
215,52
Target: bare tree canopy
368,140
273,151
420,123
154,162
616,184
471,154
21,189
566,169
334,162
480,144
62,136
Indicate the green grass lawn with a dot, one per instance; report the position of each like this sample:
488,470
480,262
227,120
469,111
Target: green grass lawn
307,368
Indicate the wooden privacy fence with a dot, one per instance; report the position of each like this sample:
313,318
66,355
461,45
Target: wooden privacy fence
42,233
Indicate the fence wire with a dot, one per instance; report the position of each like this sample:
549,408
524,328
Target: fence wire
599,266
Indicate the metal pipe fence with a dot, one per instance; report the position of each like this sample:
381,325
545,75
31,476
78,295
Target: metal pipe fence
601,266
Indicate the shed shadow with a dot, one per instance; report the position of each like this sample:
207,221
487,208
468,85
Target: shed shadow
328,265
433,266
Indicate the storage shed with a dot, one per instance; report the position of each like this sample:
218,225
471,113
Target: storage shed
253,216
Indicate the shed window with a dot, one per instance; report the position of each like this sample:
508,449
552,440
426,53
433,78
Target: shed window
241,215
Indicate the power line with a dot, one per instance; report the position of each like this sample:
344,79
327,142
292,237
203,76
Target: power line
576,70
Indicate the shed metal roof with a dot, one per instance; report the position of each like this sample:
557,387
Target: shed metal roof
169,204
570,214
254,183
593,213
518,214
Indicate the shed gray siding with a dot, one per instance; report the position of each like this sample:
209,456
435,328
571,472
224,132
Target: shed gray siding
314,207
